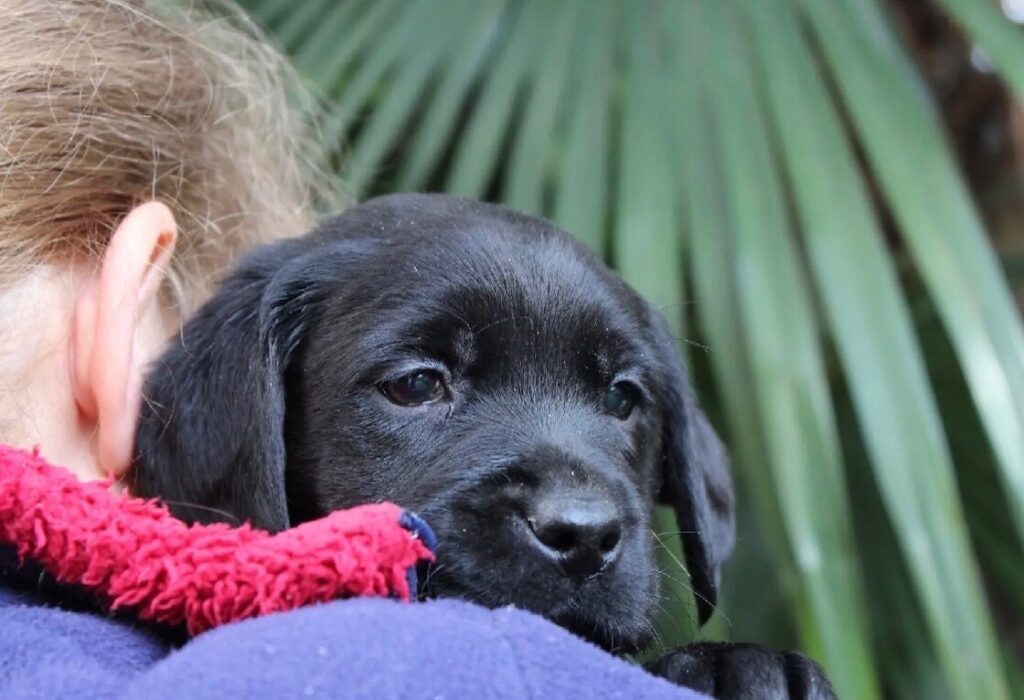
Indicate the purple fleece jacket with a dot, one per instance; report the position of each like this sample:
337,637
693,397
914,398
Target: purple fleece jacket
52,645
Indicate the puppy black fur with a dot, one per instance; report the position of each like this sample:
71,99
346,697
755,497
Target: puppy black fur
270,408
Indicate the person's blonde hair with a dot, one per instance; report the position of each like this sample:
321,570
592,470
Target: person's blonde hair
108,103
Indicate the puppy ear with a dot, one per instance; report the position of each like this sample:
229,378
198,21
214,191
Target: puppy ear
695,480
210,437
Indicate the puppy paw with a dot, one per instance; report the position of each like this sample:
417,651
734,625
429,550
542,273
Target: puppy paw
730,671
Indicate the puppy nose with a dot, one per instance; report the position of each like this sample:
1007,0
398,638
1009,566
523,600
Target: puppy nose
581,531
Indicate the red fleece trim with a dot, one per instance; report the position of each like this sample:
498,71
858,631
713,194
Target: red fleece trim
134,554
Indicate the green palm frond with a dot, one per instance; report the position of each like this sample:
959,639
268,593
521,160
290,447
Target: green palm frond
721,154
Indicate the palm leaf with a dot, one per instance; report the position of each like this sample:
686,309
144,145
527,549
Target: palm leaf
476,155
582,177
530,158
400,96
938,221
438,122
707,223
876,344
789,382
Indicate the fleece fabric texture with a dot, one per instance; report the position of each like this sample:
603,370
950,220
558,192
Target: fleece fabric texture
53,646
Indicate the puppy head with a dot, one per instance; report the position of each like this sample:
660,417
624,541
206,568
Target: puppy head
468,363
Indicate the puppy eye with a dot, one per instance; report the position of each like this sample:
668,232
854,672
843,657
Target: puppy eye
620,399
416,388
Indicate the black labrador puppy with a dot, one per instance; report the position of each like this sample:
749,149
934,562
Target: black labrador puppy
483,369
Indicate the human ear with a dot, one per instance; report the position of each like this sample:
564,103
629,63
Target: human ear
112,337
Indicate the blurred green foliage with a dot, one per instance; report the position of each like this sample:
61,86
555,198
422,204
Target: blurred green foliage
721,154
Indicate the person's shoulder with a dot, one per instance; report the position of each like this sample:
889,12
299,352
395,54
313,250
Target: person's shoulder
380,648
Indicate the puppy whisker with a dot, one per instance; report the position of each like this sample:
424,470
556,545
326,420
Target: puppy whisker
682,566
224,515
660,599
669,533
694,343
670,553
432,571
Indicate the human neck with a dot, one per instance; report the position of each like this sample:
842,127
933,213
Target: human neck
37,403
